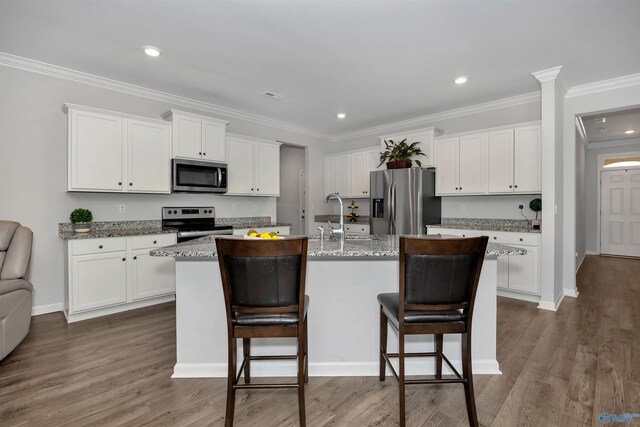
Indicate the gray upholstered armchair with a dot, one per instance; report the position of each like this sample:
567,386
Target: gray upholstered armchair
15,290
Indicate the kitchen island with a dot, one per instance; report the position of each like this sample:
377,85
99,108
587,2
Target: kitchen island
343,281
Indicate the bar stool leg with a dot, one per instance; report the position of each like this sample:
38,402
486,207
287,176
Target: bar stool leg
246,352
439,356
468,385
306,351
383,344
231,378
301,404
401,376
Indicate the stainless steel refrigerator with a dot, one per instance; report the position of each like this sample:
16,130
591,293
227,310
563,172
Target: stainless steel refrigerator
403,201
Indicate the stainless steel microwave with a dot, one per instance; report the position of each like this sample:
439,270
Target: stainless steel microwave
195,176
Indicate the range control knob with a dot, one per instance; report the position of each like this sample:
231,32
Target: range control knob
175,212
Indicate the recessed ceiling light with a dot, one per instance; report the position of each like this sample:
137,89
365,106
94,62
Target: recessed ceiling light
460,80
152,51
630,131
341,115
600,120
273,95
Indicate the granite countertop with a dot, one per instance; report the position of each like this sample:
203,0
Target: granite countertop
114,229
508,225
363,247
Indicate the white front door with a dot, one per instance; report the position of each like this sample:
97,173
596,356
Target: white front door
620,210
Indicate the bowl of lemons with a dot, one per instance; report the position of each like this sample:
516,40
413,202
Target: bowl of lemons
271,235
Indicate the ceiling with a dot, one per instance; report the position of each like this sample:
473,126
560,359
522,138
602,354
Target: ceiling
379,61
614,126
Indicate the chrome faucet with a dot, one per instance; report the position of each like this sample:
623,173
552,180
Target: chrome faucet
340,231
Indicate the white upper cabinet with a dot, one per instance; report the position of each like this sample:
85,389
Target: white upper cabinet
253,166
115,152
96,151
348,174
461,165
473,164
502,160
148,158
515,160
426,138
528,159
197,137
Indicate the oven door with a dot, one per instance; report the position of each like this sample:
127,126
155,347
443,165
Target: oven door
195,176
184,236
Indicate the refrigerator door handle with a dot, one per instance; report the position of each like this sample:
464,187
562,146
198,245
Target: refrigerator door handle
392,216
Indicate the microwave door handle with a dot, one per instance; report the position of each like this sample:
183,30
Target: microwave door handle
219,177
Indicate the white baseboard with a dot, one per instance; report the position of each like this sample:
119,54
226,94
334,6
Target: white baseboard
90,314
579,264
44,309
551,306
329,369
518,295
573,293
592,252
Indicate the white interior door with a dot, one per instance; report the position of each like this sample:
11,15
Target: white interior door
620,211
302,197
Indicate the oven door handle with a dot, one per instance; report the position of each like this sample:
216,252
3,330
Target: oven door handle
205,233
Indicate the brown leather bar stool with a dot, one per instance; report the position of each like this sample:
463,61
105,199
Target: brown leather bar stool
263,283
438,283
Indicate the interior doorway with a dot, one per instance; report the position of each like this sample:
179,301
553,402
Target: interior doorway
291,206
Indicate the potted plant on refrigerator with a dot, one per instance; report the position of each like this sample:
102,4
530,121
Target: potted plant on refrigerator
536,206
81,220
397,155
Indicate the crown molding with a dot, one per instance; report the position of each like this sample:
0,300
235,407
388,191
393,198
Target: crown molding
556,74
604,85
617,143
14,61
450,114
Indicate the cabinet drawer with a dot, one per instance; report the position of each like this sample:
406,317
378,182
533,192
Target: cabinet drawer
357,228
96,246
515,239
152,241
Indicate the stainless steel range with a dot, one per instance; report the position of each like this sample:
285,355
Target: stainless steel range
192,223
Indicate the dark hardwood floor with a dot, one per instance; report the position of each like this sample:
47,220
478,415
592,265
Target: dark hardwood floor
559,369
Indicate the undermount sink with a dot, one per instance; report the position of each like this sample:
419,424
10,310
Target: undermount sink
348,237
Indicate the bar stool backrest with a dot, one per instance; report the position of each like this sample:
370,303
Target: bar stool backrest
440,274
263,276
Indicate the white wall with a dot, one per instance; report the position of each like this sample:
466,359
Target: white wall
590,229
500,207
288,204
33,149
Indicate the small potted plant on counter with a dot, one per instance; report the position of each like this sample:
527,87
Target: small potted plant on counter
398,155
81,220
536,206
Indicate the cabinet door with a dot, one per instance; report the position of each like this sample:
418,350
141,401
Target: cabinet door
447,164
503,272
359,175
96,152
148,160
151,276
344,175
500,161
527,160
187,137
473,164
331,164
98,280
427,145
523,271
213,140
267,169
240,166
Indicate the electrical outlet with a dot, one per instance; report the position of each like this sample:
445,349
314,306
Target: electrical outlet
122,209
520,207
255,208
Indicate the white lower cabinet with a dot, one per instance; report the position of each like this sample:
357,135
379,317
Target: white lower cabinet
109,275
518,275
